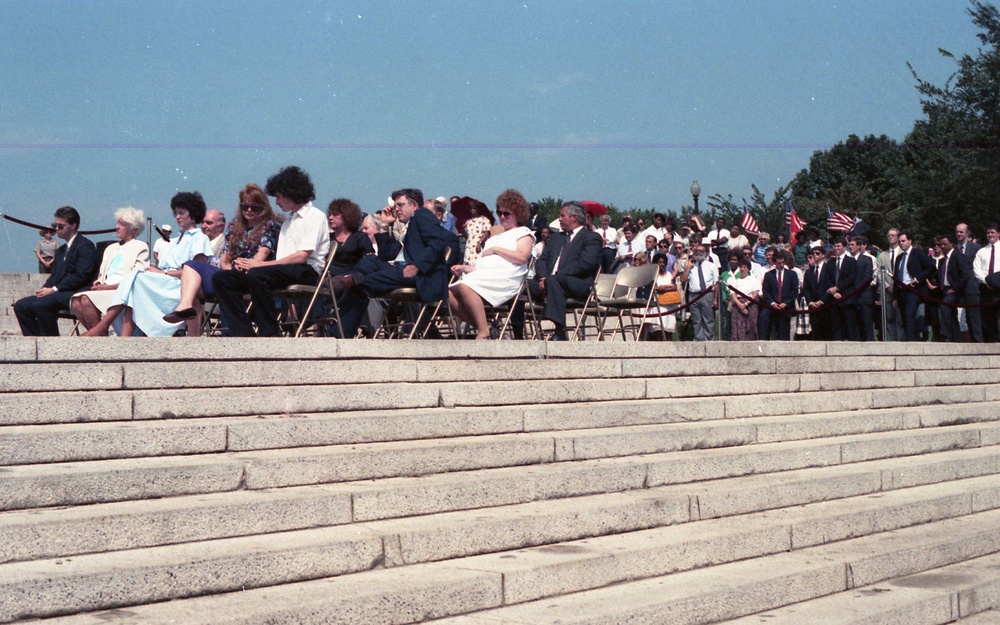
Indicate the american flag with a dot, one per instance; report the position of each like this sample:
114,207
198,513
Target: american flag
794,222
749,223
837,222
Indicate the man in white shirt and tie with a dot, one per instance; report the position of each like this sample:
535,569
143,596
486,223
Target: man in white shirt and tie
885,264
701,276
986,264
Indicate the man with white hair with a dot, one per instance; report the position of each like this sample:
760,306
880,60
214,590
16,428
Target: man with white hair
214,227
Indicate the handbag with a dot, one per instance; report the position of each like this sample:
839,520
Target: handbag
669,298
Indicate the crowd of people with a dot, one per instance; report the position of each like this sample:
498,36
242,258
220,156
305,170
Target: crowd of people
712,282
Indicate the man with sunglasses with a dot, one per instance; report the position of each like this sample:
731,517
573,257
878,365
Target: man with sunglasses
74,269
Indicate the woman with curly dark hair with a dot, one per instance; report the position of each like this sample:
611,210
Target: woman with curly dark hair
253,233
498,274
144,295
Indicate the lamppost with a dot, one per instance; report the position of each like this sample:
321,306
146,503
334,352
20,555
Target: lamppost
695,192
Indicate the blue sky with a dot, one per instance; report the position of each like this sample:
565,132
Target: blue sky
108,104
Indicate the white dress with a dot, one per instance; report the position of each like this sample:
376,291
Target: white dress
494,278
118,261
152,295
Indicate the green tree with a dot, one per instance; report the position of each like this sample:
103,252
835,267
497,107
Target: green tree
953,153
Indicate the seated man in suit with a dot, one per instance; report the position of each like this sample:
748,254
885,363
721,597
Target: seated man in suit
913,268
424,266
954,273
778,292
565,269
75,265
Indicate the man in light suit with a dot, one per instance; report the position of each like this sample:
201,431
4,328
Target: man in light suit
973,315
779,291
913,267
566,267
76,263
423,266
884,266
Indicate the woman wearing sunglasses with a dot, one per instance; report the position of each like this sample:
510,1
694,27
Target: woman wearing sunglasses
498,274
253,233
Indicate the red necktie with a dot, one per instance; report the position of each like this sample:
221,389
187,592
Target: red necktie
780,273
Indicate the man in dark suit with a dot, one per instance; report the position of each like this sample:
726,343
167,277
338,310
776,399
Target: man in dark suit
75,265
863,301
779,290
913,268
973,315
842,283
424,266
566,267
818,277
953,280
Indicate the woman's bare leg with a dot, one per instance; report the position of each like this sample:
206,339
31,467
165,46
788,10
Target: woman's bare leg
474,307
102,326
128,324
85,311
190,288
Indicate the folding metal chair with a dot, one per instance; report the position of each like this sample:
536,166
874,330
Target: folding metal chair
405,296
324,287
631,280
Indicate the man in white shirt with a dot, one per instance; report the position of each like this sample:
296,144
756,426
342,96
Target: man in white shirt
718,238
166,230
303,245
986,264
884,266
658,229
214,227
701,276
610,237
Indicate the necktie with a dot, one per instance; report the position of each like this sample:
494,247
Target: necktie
993,253
892,260
629,250
780,273
944,272
902,265
701,277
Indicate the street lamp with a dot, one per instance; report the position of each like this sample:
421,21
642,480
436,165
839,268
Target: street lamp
695,192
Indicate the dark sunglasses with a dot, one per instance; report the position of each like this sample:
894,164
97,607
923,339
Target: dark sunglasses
503,213
253,208
59,226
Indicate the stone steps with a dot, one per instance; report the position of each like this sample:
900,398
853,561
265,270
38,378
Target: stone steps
690,573
333,481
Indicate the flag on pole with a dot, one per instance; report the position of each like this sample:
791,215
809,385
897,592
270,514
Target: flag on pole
749,223
838,222
792,220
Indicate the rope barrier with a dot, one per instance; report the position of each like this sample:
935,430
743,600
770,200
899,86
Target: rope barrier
21,222
934,300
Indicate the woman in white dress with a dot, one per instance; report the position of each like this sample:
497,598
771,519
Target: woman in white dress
144,297
119,260
498,274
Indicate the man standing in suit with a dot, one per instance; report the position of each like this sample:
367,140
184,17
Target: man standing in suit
423,266
844,279
953,279
817,279
779,291
913,267
885,264
863,301
987,263
973,315
567,266
74,268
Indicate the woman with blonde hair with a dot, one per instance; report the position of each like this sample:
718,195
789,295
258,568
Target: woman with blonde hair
119,260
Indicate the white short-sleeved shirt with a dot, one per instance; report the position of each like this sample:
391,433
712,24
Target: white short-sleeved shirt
305,230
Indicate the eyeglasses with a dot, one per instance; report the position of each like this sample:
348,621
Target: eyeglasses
56,226
503,213
253,208
664,246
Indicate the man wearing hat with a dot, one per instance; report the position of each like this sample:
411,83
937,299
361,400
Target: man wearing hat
161,244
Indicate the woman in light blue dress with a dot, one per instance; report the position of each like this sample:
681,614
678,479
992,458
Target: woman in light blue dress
144,296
